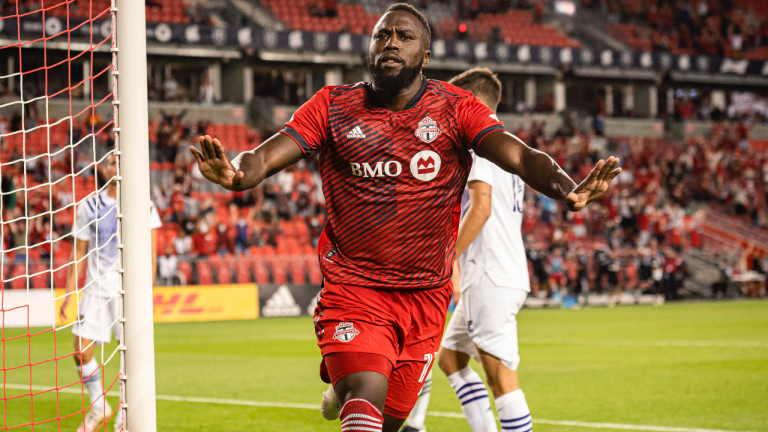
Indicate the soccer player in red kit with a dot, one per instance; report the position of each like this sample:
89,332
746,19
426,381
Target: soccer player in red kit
394,159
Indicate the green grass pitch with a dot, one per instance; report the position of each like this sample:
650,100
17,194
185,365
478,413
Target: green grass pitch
695,365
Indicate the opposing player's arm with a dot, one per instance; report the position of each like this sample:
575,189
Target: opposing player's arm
74,271
477,214
542,173
455,278
154,224
154,255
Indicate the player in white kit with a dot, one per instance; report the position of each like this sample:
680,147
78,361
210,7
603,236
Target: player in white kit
494,284
95,232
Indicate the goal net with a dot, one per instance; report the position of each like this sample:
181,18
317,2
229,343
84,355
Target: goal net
60,224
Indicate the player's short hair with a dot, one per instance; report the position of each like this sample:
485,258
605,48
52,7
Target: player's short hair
405,7
480,81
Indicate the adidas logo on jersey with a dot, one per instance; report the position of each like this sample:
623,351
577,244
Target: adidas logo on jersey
281,304
356,133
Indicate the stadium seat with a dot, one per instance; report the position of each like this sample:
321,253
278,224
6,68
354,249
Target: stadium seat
62,249
223,272
313,268
298,275
60,275
18,281
185,271
260,271
277,265
204,274
242,272
43,279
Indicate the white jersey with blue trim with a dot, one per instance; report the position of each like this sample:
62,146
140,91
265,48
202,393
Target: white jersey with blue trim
498,250
96,223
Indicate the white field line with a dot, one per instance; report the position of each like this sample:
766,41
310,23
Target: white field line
658,343
599,342
252,403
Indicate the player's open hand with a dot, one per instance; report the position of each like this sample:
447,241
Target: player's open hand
595,185
63,308
214,164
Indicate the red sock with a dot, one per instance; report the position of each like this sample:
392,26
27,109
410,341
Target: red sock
360,415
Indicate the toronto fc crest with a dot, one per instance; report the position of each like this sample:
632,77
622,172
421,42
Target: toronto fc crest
345,332
427,130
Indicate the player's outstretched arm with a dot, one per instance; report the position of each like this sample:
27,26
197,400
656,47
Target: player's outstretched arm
542,173
249,168
74,271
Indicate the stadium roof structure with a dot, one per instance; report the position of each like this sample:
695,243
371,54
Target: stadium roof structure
342,48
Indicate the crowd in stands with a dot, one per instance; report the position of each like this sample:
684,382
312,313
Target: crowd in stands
634,237
174,11
514,22
746,108
725,28
631,239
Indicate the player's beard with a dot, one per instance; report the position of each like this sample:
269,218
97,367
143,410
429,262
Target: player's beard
392,84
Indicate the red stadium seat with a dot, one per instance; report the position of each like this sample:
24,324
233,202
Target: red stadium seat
298,275
17,275
223,272
313,268
60,276
242,271
260,271
185,271
204,274
279,274
42,280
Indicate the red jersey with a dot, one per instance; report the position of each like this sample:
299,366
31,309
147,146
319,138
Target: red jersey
392,180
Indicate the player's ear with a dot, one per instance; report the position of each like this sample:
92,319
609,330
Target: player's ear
427,55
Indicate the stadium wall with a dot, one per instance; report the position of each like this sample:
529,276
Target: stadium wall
694,129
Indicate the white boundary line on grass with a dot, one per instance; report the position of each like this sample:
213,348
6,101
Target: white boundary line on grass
587,342
653,343
244,402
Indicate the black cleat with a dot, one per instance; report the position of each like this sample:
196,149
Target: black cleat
407,428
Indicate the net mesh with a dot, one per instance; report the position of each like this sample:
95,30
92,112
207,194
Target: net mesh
59,169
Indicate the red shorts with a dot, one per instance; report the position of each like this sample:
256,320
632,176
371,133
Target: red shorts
405,327
557,278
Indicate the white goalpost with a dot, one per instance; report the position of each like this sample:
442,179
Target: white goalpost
132,142
58,134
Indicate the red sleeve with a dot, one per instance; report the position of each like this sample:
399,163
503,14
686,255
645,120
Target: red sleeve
476,121
309,124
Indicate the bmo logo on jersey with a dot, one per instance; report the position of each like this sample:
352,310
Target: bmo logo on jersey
425,165
379,169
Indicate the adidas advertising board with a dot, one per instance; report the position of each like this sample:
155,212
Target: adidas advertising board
287,300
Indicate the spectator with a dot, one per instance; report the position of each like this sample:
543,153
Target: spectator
206,90
199,15
167,265
242,228
183,244
331,9
224,239
170,89
538,12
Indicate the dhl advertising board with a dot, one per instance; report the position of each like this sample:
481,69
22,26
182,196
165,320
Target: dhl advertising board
206,303
180,304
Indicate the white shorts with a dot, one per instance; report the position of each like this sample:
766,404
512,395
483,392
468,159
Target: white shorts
97,318
485,318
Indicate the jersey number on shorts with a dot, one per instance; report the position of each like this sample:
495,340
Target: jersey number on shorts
429,358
